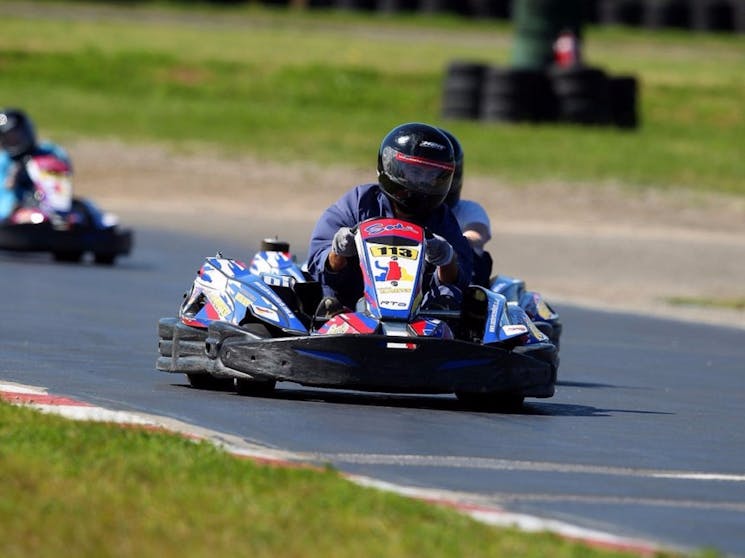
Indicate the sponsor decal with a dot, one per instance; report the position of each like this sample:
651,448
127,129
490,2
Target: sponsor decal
394,252
380,228
267,313
537,333
542,308
433,145
393,290
394,304
348,324
392,272
242,299
338,328
492,325
278,280
515,329
220,306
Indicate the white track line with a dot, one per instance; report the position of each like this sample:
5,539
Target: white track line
487,463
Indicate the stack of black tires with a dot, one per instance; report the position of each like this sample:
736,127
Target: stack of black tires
574,94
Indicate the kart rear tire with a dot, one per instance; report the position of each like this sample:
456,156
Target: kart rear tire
206,381
104,259
491,401
68,257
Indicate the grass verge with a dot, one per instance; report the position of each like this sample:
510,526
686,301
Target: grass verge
729,303
89,489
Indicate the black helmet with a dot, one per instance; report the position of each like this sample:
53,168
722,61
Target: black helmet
453,196
415,167
17,134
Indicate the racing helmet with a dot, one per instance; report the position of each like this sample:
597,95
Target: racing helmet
453,196
17,135
415,167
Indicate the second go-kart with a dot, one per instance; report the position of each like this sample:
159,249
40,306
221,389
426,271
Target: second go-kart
51,219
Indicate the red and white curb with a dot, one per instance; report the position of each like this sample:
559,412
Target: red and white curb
38,398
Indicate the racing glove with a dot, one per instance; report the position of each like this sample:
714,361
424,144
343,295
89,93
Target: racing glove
343,243
438,251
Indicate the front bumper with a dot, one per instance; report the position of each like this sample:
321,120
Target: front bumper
383,363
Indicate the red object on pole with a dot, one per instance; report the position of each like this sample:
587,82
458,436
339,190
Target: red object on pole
567,49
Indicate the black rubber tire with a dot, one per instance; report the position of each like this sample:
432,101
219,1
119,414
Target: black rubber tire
367,5
438,6
624,92
460,106
505,109
395,6
666,13
254,387
501,402
104,258
495,9
274,245
621,12
462,89
576,81
68,257
717,15
582,94
206,381
517,95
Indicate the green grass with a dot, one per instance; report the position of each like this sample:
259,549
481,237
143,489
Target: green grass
326,87
95,490
709,302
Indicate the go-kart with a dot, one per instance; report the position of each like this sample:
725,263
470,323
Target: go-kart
249,326
51,219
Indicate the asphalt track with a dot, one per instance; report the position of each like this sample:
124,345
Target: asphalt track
644,437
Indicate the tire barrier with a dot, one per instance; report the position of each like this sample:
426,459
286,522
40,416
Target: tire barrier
575,94
582,94
462,90
698,15
624,93
395,6
517,95
666,13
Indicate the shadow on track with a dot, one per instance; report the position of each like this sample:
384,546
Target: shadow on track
442,402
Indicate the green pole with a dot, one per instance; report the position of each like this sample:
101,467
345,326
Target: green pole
537,25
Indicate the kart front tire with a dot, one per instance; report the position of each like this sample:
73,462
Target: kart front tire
68,256
254,387
104,258
205,381
491,401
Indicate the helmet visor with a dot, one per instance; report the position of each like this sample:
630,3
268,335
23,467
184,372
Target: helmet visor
414,178
16,141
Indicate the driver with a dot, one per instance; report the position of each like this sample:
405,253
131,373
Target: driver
18,142
415,170
472,218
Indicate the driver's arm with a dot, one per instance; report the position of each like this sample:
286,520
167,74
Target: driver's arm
448,273
336,262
